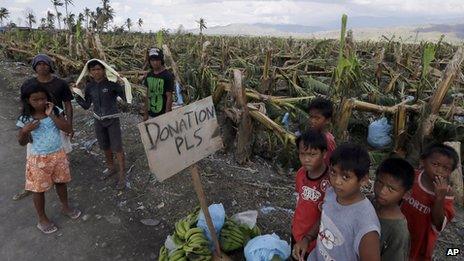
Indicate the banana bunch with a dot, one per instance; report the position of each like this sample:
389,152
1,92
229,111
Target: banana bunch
197,245
234,236
190,241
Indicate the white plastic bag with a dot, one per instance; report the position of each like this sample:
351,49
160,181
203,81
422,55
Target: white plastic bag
265,247
66,142
379,133
247,218
218,216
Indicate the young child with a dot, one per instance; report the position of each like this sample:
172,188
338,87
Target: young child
310,184
160,85
47,164
395,177
429,207
320,114
349,228
103,94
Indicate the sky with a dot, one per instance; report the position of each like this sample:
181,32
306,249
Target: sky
171,14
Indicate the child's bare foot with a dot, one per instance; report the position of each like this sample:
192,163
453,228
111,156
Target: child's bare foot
72,213
121,184
47,227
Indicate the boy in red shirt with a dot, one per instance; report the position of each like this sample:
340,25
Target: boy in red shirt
429,207
310,184
320,114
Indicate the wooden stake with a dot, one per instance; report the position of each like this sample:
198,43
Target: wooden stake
244,132
204,206
456,176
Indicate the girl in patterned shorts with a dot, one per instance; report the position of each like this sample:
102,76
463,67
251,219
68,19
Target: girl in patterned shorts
40,123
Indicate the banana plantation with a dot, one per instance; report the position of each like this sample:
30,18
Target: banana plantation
404,82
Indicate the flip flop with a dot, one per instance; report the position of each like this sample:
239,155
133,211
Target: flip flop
74,214
47,229
22,195
107,174
121,185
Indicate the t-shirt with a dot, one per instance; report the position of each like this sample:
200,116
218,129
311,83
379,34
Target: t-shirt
394,240
158,85
331,145
57,87
311,193
342,228
46,138
417,208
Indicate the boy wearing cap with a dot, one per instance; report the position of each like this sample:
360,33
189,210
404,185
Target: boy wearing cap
58,88
160,85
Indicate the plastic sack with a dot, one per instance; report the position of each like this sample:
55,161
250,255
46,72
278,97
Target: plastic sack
379,133
247,218
218,216
66,142
265,247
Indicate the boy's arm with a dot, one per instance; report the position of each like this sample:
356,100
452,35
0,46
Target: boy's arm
68,111
59,120
119,89
369,247
169,91
300,248
86,101
146,100
441,189
168,101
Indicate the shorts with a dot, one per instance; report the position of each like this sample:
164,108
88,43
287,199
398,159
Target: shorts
43,171
108,132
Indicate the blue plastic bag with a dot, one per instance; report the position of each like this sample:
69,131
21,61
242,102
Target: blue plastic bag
379,133
265,247
218,216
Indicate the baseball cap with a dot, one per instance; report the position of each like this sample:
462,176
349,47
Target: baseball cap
156,53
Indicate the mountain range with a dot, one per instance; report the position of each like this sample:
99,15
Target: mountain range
364,28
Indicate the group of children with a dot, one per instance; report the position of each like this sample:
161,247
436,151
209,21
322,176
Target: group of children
334,220
42,123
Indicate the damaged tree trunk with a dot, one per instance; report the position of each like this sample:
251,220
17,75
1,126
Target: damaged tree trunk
175,70
245,127
431,109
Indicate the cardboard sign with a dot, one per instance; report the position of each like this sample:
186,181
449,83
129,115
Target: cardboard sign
180,138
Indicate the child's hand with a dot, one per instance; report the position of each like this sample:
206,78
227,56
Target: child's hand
49,108
31,126
299,249
441,187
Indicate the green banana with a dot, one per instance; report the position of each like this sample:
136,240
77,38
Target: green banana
193,231
177,240
163,254
177,255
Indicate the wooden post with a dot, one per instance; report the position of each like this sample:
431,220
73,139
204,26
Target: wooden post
196,180
456,176
245,126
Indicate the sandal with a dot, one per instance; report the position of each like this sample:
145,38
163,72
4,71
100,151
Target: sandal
107,174
74,214
22,195
47,229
